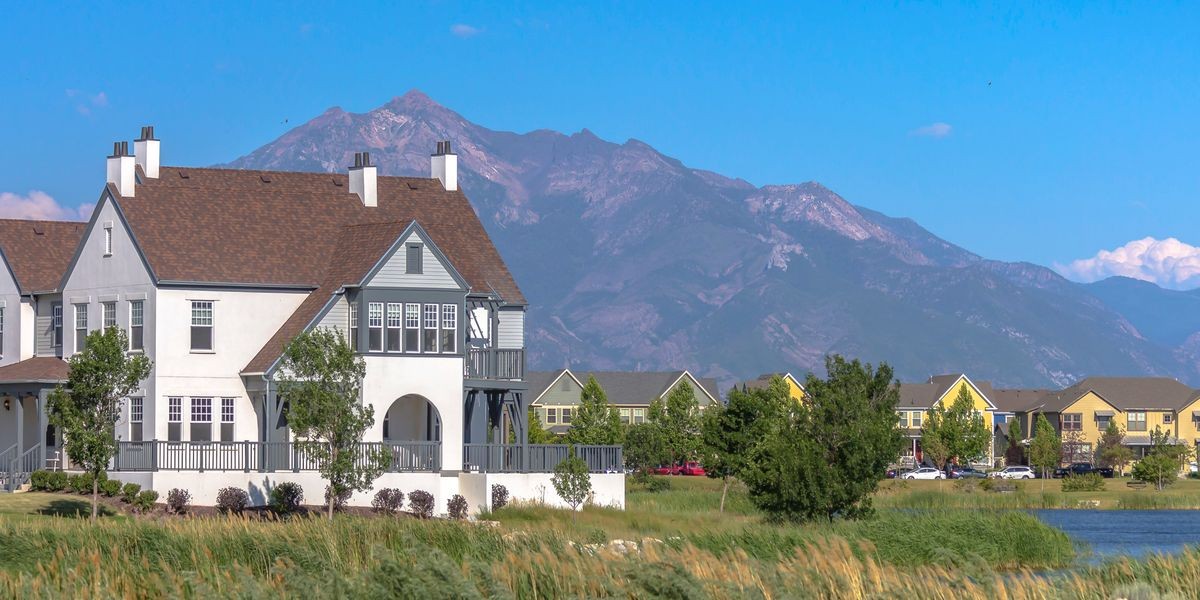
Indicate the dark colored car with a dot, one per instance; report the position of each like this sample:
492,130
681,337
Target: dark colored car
1082,469
960,472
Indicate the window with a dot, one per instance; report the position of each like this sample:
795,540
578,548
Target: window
174,419
56,311
135,419
412,264
412,327
202,325
108,240
201,419
1168,418
566,416
639,415
626,414
1136,421
916,419
903,421
227,419
449,327
109,312
1077,453
551,416
354,327
375,327
431,328
1102,421
137,318
395,326
1072,422
81,326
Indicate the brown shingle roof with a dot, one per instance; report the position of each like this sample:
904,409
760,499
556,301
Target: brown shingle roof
39,251
45,369
1018,400
1127,393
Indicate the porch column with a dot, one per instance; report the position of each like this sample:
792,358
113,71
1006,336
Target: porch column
20,410
43,403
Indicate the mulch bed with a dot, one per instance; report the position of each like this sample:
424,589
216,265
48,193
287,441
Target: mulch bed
255,513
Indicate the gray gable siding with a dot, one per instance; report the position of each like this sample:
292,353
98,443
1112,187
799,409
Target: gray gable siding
701,395
44,323
564,392
338,317
510,330
434,275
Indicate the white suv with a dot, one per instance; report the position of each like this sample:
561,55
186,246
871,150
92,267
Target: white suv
1017,472
923,473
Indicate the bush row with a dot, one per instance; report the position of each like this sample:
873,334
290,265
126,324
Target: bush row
82,483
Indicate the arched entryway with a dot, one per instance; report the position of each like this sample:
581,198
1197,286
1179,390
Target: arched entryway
412,428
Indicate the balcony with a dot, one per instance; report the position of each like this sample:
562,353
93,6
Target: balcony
495,364
538,458
266,457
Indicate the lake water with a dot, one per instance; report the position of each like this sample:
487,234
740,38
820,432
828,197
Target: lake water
1111,533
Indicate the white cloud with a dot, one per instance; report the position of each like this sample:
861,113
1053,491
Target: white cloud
87,102
934,130
463,30
40,206
1169,263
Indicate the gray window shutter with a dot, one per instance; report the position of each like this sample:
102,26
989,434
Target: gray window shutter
413,264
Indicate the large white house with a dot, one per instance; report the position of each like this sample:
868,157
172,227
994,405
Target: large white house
212,271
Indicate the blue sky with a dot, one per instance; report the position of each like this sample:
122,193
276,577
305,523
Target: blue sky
1022,133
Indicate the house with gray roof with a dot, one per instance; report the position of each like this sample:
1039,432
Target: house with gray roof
556,394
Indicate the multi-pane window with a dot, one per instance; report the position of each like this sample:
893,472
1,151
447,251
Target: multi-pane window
903,420
137,321
1102,422
1077,452
202,325
412,327
135,419
551,416
449,327
174,419
81,326
431,328
1072,422
109,312
354,327
201,419
626,414
1168,418
57,318
639,416
412,263
566,416
227,419
1135,421
395,326
375,326
916,419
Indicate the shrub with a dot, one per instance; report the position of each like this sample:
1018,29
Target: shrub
232,499
457,507
420,503
56,481
286,497
1090,482
178,500
387,501
110,487
597,536
37,481
499,496
658,484
80,483
339,503
129,492
145,500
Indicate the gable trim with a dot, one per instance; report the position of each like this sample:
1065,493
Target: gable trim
106,196
986,400
695,381
566,372
1080,397
400,242
320,314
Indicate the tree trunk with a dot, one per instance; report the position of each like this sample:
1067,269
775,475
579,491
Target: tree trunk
333,493
95,495
724,491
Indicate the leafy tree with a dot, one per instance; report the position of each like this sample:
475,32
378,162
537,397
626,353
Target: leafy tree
1162,464
645,447
933,439
572,481
959,430
1015,453
86,409
321,377
596,422
730,432
538,434
1045,451
826,457
1111,450
678,422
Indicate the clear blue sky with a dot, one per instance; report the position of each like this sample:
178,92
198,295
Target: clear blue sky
1087,137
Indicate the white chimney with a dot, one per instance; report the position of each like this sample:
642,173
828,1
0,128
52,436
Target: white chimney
362,179
444,166
121,169
146,152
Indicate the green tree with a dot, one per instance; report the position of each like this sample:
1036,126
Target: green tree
572,482
1162,464
827,455
321,377
678,421
963,434
645,447
538,434
730,432
596,422
933,444
1111,451
1015,453
98,379
1045,450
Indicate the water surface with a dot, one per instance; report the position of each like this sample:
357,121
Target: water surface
1134,533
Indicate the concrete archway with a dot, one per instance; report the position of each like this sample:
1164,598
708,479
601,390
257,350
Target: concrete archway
412,418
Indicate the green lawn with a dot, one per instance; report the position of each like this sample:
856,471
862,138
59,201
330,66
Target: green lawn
32,504
1036,493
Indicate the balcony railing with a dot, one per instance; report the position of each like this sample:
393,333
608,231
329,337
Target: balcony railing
506,364
425,457
538,458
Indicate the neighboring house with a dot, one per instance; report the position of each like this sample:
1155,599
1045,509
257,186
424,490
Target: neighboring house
795,388
213,271
916,399
556,393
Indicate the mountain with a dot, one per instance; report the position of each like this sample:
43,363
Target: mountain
1168,317
633,260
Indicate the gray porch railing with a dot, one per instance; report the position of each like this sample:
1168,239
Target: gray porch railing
495,363
538,458
18,467
158,455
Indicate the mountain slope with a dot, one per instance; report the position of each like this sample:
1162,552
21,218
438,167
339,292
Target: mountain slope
632,260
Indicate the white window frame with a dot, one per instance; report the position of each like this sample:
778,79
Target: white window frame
374,324
228,408
1076,422
639,416
430,321
108,314
108,240
200,413
915,419
1168,419
203,316
137,320
902,420
81,311
551,416
566,415
449,329
412,321
175,416
353,333
1129,420
395,322
56,321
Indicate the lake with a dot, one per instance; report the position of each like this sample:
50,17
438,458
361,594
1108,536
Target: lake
1111,533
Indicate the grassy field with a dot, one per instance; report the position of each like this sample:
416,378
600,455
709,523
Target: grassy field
938,495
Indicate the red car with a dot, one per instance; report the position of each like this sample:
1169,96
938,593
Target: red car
671,470
692,468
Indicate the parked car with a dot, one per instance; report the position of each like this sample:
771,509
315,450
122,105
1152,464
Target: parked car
1015,472
924,473
1082,469
692,468
666,470
892,473
960,472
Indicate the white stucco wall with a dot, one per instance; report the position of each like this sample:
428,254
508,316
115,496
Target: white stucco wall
438,379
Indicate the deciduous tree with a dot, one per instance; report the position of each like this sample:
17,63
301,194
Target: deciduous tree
730,432
1162,464
1045,450
678,421
596,422
645,447
538,434
1112,451
86,409
572,481
1015,453
958,430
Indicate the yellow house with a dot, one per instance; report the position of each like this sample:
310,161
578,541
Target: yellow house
795,388
916,399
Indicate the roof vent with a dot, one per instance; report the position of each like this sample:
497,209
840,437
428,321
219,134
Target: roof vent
363,179
121,169
443,166
264,178
148,152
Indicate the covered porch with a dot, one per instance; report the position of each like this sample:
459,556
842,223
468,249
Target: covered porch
27,441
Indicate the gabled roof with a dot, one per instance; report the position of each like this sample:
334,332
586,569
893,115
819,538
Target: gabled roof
1126,393
925,395
624,387
44,369
38,252
1013,400
764,381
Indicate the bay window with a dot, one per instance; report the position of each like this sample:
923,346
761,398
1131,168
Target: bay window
375,326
